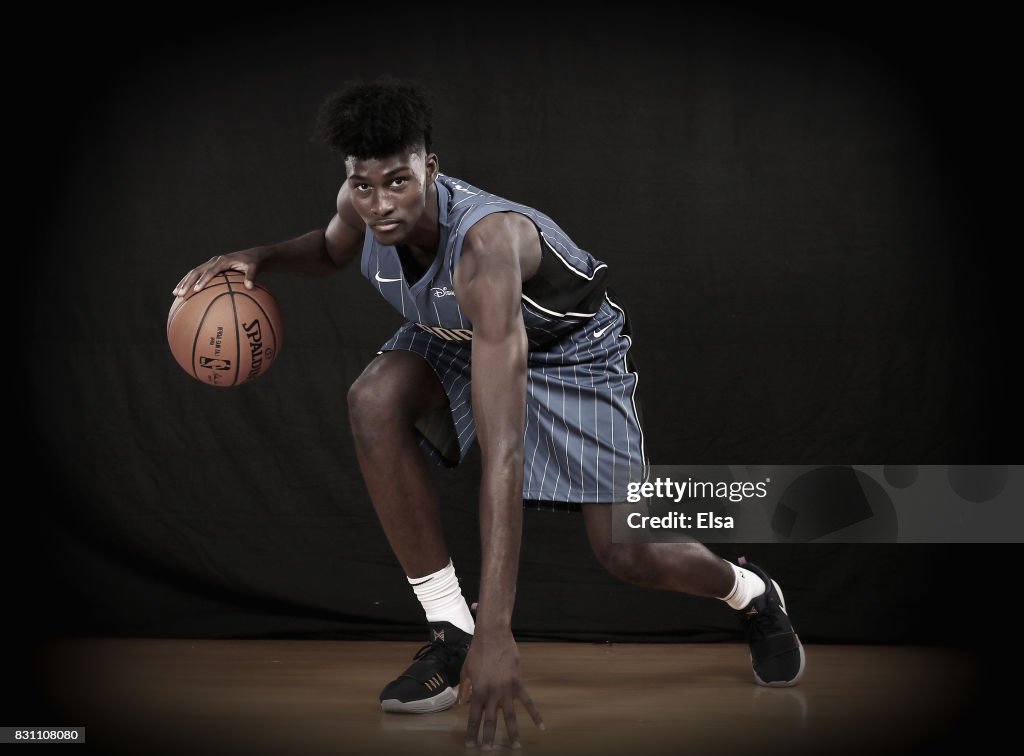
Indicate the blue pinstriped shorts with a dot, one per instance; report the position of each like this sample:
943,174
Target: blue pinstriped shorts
583,440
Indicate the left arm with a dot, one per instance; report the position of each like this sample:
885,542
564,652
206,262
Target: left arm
488,285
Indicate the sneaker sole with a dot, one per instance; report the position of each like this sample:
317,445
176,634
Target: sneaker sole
803,659
444,700
784,683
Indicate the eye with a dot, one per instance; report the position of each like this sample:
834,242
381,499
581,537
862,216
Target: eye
362,187
399,180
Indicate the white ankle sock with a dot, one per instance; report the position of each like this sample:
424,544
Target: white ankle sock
442,599
747,587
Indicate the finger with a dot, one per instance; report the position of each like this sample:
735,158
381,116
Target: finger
531,707
180,288
465,690
209,269
511,724
204,279
189,288
473,724
250,275
490,726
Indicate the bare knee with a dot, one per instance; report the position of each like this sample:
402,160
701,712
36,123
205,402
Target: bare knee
365,401
628,562
374,411
625,561
390,394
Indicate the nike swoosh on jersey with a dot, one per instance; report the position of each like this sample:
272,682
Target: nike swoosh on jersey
385,280
600,331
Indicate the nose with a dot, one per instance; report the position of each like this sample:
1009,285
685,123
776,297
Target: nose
382,204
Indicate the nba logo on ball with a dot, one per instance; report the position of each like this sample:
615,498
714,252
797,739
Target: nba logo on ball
225,334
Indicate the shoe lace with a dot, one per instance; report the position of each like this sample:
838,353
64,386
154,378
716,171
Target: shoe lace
436,648
760,622
757,623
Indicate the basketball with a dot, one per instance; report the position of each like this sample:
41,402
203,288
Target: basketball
225,334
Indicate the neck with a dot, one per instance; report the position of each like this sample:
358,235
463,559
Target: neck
427,233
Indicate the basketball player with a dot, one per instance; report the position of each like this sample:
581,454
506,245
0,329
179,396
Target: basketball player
511,339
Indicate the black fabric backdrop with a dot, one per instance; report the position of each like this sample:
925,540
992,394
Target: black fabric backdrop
800,211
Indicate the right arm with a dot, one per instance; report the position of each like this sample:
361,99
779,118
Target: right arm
317,253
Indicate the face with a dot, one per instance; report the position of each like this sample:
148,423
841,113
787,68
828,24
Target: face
390,194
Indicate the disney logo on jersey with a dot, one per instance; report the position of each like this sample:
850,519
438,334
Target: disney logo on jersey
442,291
448,334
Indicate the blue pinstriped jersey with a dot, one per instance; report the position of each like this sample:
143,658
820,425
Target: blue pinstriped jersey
431,302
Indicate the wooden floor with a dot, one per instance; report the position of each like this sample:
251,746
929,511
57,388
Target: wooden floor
320,697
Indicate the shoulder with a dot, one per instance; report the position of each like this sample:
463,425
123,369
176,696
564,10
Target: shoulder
345,233
505,239
500,233
346,213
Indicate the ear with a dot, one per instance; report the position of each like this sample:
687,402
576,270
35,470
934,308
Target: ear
433,167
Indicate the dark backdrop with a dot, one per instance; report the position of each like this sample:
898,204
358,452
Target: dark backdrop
801,210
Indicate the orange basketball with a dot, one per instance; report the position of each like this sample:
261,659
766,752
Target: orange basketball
225,334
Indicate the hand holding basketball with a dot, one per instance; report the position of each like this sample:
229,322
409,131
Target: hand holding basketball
225,334
246,261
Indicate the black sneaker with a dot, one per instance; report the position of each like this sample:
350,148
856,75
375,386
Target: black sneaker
776,653
431,682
